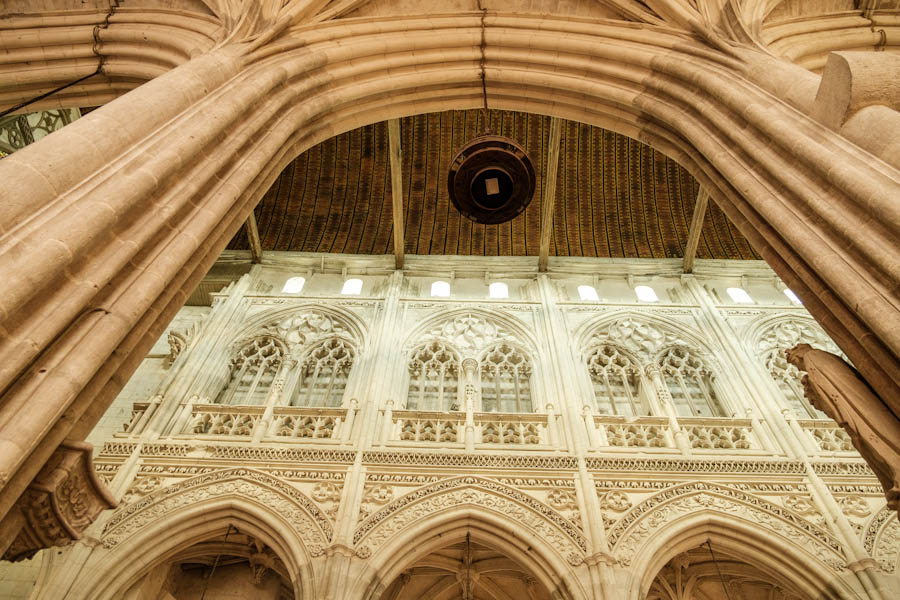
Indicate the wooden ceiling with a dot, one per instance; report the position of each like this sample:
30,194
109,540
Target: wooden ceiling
615,197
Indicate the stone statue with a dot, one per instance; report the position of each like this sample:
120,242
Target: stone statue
835,388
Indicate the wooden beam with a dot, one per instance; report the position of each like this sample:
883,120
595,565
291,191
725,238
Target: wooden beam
253,238
549,198
396,189
690,249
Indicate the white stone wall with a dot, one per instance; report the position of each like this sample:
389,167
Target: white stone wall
580,481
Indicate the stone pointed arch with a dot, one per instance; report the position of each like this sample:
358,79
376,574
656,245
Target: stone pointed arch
429,518
308,320
470,330
764,333
882,540
688,514
471,492
142,535
643,335
277,498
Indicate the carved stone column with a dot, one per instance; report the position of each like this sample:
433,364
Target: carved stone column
469,366
57,507
665,400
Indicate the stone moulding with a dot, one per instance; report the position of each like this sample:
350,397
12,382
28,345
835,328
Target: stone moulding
546,523
507,461
882,539
61,502
776,467
312,455
647,518
306,519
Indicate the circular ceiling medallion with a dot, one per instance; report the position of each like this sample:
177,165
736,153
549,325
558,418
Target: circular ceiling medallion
491,179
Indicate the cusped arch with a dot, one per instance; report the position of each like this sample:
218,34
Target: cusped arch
471,330
684,516
882,540
756,333
332,320
150,531
380,527
436,515
648,346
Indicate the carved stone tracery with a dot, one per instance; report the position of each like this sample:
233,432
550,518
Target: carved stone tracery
563,535
643,521
309,523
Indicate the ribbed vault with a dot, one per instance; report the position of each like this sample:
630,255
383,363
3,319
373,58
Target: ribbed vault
446,573
615,197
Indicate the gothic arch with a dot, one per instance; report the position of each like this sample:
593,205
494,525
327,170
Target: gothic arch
699,96
501,515
352,327
687,515
501,327
671,332
882,540
753,334
153,529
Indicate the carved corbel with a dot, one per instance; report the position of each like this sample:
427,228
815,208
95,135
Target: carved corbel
61,502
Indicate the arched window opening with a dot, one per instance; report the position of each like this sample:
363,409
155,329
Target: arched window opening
505,380
252,372
294,285
433,378
690,383
352,287
792,296
498,289
739,295
787,377
324,373
440,289
588,293
645,293
617,381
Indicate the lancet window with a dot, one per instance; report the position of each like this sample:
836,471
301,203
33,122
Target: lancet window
505,380
690,383
324,373
434,378
617,382
253,370
787,377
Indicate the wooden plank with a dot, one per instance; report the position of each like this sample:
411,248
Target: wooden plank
690,249
253,238
549,197
396,189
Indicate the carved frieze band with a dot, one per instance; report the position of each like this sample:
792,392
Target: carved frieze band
779,467
471,460
882,539
307,520
640,523
547,524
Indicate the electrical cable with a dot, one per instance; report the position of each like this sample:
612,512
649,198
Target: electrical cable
215,564
484,108
95,48
716,562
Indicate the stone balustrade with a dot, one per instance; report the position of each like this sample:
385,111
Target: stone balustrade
280,424
827,435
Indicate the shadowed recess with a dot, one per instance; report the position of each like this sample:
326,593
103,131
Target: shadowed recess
615,197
